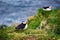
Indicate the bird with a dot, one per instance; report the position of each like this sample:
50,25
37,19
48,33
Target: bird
22,26
3,26
47,8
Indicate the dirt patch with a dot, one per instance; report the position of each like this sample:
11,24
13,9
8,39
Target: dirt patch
31,38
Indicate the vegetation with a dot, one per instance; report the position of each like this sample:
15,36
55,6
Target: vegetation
45,25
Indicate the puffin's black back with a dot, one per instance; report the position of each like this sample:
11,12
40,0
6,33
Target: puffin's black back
21,26
45,7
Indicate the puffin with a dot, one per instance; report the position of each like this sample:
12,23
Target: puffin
3,26
22,26
47,8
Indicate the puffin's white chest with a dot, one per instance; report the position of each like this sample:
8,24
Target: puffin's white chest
48,9
26,26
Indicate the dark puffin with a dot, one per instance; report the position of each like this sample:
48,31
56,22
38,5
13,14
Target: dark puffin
22,26
3,26
47,8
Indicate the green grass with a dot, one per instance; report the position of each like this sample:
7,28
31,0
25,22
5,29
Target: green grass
32,33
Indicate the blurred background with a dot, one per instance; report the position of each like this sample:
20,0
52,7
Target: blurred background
12,11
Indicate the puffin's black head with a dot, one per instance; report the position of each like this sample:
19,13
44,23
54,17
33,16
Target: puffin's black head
24,22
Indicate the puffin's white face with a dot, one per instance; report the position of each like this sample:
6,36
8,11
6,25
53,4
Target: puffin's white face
25,22
50,6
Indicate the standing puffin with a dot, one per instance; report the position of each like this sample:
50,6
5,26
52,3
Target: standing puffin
47,8
22,26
